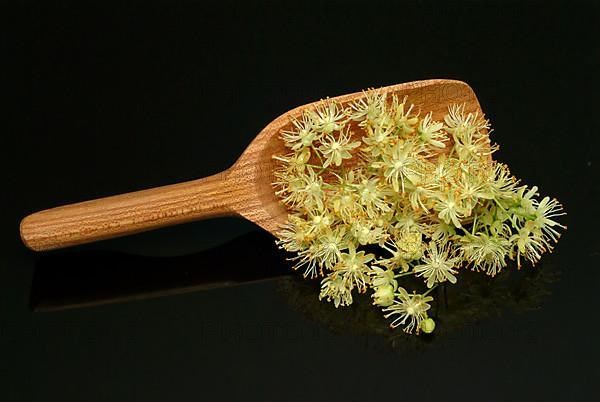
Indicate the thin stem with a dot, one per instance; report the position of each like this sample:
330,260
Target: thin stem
430,290
318,154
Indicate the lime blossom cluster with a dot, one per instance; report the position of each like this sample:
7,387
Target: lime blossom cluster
377,191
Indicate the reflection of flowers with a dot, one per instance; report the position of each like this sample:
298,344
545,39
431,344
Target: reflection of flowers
471,300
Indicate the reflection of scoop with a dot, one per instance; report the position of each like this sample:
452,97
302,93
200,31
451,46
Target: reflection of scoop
88,278
244,189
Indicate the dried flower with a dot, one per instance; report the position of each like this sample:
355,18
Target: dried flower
400,164
411,310
327,117
404,121
336,149
438,265
484,252
335,289
431,133
353,268
302,135
376,193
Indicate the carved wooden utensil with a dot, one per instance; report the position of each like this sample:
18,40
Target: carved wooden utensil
242,190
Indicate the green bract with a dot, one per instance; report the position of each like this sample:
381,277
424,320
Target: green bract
424,196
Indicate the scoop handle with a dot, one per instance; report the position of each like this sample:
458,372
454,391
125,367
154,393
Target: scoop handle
129,213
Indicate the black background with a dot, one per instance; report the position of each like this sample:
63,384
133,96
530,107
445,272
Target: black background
125,97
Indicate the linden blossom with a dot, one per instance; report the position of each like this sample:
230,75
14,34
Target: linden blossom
438,266
335,150
420,215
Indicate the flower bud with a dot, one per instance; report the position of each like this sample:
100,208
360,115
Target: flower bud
427,325
384,295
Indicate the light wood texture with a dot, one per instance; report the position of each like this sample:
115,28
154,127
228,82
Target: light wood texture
244,189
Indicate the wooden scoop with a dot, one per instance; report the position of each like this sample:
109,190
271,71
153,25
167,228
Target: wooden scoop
242,190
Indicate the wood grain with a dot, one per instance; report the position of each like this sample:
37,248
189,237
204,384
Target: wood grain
244,189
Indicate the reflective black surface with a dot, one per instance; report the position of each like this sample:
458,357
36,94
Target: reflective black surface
88,278
125,97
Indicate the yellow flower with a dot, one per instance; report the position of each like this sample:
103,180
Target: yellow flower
312,189
431,133
410,309
450,208
502,184
485,252
545,212
438,266
294,235
409,220
383,277
331,243
405,248
378,139
372,196
423,197
410,244
365,233
529,245
461,124
335,289
290,188
369,108
336,149
344,201
400,164
404,122
353,268
296,162
327,117
383,296
306,262
302,135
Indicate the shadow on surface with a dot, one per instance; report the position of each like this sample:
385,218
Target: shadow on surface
87,278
